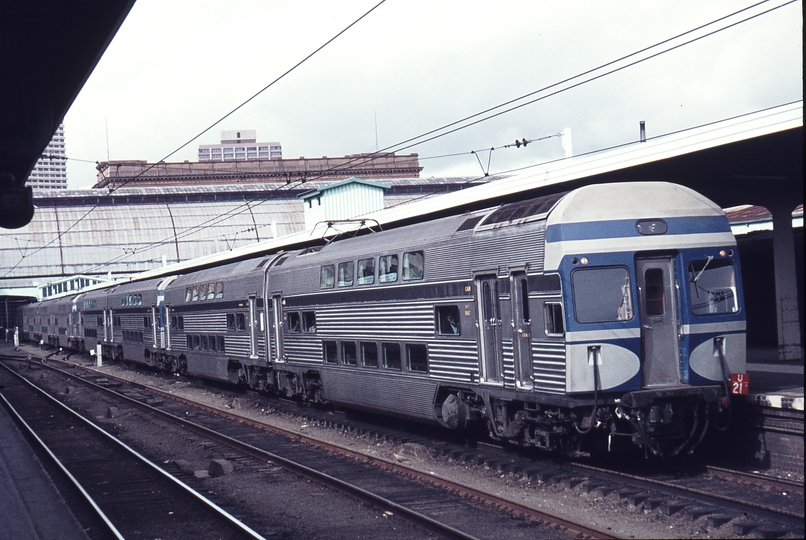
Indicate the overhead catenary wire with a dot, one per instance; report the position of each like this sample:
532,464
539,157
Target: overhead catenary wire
479,117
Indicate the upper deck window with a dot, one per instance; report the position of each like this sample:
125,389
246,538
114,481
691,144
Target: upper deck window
413,265
387,268
346,274
602,294
366,271
712,287
327,277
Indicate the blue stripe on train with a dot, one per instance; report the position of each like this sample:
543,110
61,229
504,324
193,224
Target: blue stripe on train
626,227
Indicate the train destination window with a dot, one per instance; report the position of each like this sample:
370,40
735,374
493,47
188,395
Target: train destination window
348,354
327,277
330,352
345,274
391,355
554,319
366,271
413,265
308,321
387,268
655,297
417,357
292,322
601,294
447,320
712,287
369,354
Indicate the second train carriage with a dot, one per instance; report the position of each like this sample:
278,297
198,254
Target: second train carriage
612,311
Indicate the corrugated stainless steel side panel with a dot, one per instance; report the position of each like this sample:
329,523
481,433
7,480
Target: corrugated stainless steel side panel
407,396
454,361
303,350
405,320
548,365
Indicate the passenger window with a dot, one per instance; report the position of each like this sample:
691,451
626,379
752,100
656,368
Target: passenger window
189,340
447,320
196,343
330,352
413,264
213,343
348,356
240,321
195,294
391,355
210,291
205,345
292,322
219,289
369,354
308,321
417,357
366,271
554,319
327,277
387,268
346,274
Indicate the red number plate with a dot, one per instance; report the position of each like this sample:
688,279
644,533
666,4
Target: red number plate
739,383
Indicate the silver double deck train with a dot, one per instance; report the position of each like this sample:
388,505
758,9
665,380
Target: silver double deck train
572,322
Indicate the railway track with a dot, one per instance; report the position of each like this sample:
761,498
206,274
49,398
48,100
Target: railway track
129,494
436,505
729,503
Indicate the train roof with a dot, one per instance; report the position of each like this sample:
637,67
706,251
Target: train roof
633,200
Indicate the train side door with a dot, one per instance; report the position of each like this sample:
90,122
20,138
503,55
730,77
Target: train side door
277,327
490,335
659,322
522,330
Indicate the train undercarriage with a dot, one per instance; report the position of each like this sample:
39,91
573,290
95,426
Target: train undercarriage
664,422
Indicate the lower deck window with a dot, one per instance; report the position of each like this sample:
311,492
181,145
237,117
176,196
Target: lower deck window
348,354
417,357
369,354
391,355
330,352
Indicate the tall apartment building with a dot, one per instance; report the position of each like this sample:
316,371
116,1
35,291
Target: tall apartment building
50,172
240,146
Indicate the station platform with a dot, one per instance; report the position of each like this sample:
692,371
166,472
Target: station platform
775,383
32,507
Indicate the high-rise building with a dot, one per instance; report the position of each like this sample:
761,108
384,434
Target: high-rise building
240,146
50,172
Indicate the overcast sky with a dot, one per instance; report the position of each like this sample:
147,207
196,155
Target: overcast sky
411,66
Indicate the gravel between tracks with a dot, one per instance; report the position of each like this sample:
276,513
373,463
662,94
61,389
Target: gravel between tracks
605,513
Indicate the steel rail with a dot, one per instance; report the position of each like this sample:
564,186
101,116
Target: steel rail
496,501
190,491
